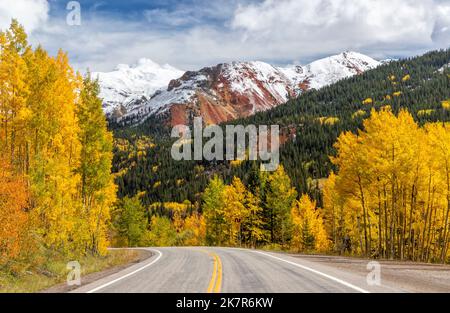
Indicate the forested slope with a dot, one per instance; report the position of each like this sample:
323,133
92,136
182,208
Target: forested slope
311,123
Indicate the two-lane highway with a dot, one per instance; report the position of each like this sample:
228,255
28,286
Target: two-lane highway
227,270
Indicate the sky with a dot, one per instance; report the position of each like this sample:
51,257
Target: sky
191,34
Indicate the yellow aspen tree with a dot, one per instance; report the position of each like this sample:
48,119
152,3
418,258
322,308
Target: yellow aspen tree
54,178
213,199
253,231
97,188
333,211
195,227
14,91
309,232
279,199
235,212
438,136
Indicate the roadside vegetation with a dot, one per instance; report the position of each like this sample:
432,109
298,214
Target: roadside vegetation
56,187
54,270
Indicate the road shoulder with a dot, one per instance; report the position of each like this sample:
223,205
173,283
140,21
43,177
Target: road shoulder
143,255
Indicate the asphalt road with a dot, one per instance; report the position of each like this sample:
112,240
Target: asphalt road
227,270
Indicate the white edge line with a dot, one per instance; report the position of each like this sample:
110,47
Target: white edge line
317,272
127,275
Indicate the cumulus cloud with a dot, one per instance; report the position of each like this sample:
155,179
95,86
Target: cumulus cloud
196,33
332,25
30,13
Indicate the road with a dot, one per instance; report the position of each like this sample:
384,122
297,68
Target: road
228,270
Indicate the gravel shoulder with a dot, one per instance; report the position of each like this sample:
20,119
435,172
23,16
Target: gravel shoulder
405,275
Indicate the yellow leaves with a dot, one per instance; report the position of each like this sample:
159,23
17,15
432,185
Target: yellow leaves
309,230
24,115
397,94
361,200
368,101
141,194
156,185
141,154
328,120
195,227
234,210
425,112
359,113
446,105
406,78
199,169
60,143
121,144
235,163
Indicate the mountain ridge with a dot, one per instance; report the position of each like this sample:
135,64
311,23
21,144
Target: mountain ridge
225,91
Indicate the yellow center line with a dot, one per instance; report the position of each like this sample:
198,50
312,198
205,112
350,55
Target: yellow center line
219,275
215,284
213,278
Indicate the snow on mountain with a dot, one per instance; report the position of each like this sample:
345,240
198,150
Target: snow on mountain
225,91
128,86
329,70
442,69
219,93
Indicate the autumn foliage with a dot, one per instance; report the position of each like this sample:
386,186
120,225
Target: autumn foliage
391,195
56,153
13,217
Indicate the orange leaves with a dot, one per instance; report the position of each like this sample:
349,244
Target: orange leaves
13,218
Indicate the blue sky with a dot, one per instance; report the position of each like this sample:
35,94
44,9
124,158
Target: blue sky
191,34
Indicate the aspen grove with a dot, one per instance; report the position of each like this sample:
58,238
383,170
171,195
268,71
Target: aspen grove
55,154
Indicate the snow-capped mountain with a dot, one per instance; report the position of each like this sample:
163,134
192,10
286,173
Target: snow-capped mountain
219,93
232,90
128,87
329,70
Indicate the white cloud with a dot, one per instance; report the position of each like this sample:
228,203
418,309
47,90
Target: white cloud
30,13
277,31
332,25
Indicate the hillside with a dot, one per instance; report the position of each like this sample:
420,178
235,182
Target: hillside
316,118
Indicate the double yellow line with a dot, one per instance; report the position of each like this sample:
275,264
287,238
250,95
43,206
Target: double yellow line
215,284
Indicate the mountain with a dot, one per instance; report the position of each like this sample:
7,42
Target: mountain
327,71
227,91
128,87
309,127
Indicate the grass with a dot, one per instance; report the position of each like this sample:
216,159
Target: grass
54,271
